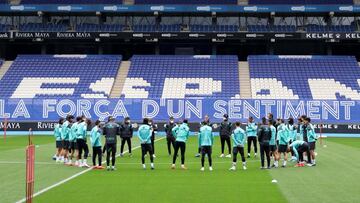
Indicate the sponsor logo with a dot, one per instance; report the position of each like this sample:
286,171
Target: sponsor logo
250,8
17,8
110,8
64,8
346,8
203,8
157,8
45,125
9,125
298,8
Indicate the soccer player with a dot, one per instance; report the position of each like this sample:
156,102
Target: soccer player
154,129
206,121
302,131
126,133
300,147
225,133
72,140
251,130
57,135
312,138
181,136
272,143
81,134
111,130
170,139
95,139
206,141
65,132
145,134
264,135
283,140
238,138
292,133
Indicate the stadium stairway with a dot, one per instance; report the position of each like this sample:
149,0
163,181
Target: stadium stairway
129,2
4,68
120,79
243,2
245,84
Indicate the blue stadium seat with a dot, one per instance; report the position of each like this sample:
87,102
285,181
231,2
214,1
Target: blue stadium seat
84,73
71,1
294,73
153,71
301,2
4,28
40,27
274,28
202,2
99,28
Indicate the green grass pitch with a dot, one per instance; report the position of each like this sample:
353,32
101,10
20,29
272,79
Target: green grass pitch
334,179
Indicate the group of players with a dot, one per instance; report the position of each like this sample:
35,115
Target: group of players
275,138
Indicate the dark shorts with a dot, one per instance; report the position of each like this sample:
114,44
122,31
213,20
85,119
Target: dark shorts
73,145
66,144
312,145
282,148
59,144
206,149
273,148
145,148
238,149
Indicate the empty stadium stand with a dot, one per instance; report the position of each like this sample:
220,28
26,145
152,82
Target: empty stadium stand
304,77
4,28
273,28
60,76
71,1
190,76
205,2
300,2
99,28
334,28
162,76
41,27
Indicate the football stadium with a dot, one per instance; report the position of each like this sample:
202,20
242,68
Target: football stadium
170,101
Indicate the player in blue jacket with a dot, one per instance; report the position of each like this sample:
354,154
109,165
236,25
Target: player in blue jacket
283,140
57,135
181,133
206,141
251,132
144,134
95,138
238,137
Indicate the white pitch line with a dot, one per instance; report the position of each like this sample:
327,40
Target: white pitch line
72,177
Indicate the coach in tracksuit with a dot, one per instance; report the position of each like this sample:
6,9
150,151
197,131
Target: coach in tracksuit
206,141
126,134
170,139
225,133
264,135
111,130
